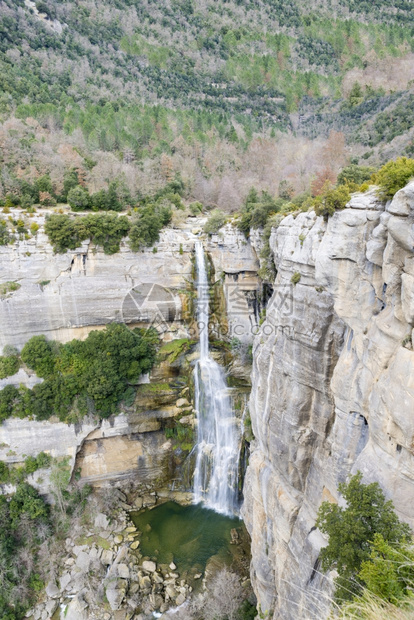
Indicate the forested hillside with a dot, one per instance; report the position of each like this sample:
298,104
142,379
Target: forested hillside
230,93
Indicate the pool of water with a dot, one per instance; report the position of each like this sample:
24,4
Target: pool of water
186,535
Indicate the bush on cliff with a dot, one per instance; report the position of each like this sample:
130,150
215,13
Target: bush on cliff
38,354
9,365
352,531
216,220
81,376
393,176
104,229
146,227
5,236
257,209
330,200
388,578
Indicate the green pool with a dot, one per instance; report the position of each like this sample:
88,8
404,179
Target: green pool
186,535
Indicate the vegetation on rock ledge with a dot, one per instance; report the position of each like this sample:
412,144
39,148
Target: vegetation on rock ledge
362,535
81,376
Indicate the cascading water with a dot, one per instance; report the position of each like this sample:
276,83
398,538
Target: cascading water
218,432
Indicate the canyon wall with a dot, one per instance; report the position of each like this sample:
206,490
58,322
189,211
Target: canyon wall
65,296
333,388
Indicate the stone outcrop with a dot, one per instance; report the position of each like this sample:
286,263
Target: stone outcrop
333,388
64,296
236,265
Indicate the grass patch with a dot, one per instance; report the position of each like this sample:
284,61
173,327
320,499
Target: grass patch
172,350
183,437
154,388
8,287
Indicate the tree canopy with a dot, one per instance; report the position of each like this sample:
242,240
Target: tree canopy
352,529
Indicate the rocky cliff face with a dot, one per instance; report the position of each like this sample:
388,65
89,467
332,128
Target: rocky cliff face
333,387
65,296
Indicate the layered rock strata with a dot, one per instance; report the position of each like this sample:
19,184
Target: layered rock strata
333,388
65,296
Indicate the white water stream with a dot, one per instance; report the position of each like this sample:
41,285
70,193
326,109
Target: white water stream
218,433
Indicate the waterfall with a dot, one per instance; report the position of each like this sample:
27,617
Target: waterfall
218,430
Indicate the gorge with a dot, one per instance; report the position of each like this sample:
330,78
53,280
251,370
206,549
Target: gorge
206,310
332,379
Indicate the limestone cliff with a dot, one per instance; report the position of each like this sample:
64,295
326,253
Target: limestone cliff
65,296
333,387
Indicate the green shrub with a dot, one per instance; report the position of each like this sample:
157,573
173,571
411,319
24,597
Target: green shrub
30,464
4,473
8,401
258,209
295,278
394,176
5,236
331,200
107,200
104,229
38,354
62,233
216,220
8,287
352,529
70,181
22,518
8,366
389,571
78,198
80,375
247,611
44,184
195,208
146,227
355,174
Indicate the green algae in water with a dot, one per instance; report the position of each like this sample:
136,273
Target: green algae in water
186,535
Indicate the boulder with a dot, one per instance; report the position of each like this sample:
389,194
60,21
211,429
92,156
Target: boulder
145,582
83,561
52,590
115,592
182,402
65,581
180,599
149,566
101,521
51,607
77,609
107,556
138,501
123,571
171,592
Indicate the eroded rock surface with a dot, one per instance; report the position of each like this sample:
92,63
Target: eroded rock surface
333,388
